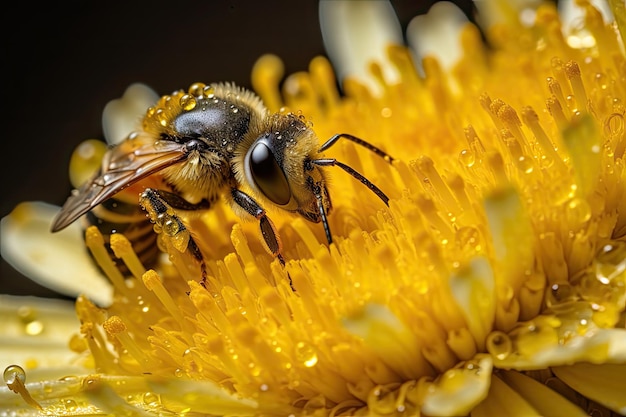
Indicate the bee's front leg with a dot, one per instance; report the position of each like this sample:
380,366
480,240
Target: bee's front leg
167,222
268,230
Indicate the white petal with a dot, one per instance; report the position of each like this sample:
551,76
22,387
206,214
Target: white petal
122,116
35,335
573,22
357,33
63,395
571,12
496,12
59,260
437,34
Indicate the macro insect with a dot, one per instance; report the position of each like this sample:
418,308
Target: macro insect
199,145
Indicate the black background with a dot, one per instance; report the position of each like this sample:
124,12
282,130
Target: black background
64,63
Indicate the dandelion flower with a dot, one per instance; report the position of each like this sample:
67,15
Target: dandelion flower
493,284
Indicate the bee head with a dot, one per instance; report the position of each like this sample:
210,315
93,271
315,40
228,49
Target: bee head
283,164
277,165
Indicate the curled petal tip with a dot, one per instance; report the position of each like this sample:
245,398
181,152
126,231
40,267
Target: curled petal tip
120,116
56,260
437,33
357,33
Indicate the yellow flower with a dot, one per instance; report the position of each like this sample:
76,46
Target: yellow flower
493,284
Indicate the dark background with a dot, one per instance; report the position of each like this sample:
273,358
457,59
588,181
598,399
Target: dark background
65,63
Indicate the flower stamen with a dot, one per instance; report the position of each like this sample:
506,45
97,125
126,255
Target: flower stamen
15,378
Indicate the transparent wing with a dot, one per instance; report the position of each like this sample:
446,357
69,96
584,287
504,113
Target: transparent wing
122,166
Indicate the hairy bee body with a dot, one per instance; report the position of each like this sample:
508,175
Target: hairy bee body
194,147
117,216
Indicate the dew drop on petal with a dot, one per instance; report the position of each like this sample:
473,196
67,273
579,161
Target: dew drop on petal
499,344
560,294
254,369
70,405
34,328
610,262
151,399
578,211
306,354
13,374
26,314
467,158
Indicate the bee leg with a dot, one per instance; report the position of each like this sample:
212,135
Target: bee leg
167,221
268,230
179,203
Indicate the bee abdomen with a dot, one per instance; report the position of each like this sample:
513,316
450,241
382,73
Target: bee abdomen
115,216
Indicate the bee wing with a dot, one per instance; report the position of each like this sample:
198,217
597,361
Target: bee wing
122,166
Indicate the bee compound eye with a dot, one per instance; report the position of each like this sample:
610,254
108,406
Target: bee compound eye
268,175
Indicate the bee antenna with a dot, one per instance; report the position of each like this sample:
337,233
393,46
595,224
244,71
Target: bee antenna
330,142
355,174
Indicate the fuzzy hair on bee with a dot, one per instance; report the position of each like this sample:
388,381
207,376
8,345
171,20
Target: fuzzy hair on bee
211,142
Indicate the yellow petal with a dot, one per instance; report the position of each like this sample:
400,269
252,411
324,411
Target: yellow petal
605,384
459,390
504,401
548,402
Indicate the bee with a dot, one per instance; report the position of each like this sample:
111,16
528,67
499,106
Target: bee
210,142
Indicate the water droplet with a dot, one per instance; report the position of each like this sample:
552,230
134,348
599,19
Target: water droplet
70,405
571,103
196,89
499,344
525,165
26,314
600,80
161,117
34,328
188,102
14,373
264,387
610,262
151,399
209,91
179,373
306,354
170,227
467,158
254,369
578,211
560,294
